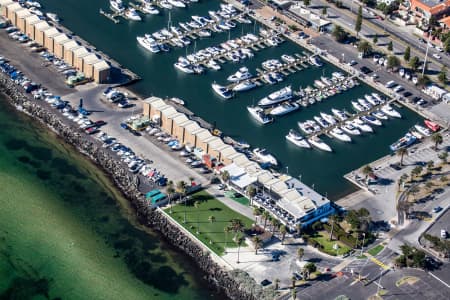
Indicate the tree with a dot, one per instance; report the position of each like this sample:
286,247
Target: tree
429,185
283,231
170,190
294,294
365,48
266,216
197,206
430,165
443,156
359,20
443,75
225,176
375,39
416,171
402,152
390,46
239,242
333,220
339,34
211,219
407,54
324,10
414,63
413,191
393,62
251,192
181,189
300,253
306,2
437,140
275,224
256,212
310,267
257,242
227,230
367,170
191,180
237,226
423,80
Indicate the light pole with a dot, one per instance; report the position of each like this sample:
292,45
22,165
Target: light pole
426,53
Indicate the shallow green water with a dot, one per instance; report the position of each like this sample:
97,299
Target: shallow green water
323,170
64,232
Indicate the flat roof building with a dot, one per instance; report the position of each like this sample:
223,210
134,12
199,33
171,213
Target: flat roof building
21,15
30,21
4,7
39,29
49,34
58,44
102,72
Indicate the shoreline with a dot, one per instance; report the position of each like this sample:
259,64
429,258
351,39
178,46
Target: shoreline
128,185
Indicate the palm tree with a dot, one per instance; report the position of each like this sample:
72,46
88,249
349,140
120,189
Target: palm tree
225,176
181,189
437,139
275,224
257,242
298,227
402,152
170,191
236,226
256,213
239,243
443,156
211,219
300,253
294,294
430,165
251,192
293,280
197,205
333,220
367,170
266,216
365,48
277,283
283,231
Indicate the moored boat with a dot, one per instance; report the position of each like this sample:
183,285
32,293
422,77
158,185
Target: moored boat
423,130
259,115
264,156
371,120
403,142
277,97
319,144
340,135
297,139
284,108
387,109
244,86
222,91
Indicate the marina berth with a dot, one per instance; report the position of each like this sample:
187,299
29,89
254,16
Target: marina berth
297,139
259,115
350,129
284,108
388,110
316,142
371,120
340,135
277,97
222,91
244,86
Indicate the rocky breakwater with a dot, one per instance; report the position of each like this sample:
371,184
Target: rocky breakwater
236,284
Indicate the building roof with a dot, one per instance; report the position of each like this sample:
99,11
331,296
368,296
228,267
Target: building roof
264,177
32,19
90,58
78,52
23,13
5,2
168,110
13,6
71,45
203,134
307,15
155,102
445,21
181,118
51,31
240,159
191,126
43,25
227,151
101,65
431,6
238,176
216,144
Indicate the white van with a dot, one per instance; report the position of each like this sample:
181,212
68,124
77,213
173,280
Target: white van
390,84
443,233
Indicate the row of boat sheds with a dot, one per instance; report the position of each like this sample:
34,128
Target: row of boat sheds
58,43
285,197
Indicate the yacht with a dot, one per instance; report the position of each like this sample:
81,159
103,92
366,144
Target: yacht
350,129
184,66
165,4
371,120
364,104
150,9
309,126
264,156
329,118
149,44
269,79
361,125
177,100
132,14
387,109
117,5
177,3
33,4
259,115
284,108
287,58
241,74
212,64
319,144
378,97
358,107
372,100
321,122
53,17
298,140
341,115
423,130
403,142
244,86
222,91
276,97
315,60
379,115
340,135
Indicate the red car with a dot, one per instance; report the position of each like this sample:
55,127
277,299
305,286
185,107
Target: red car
100,123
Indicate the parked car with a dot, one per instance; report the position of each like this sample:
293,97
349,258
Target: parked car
437,209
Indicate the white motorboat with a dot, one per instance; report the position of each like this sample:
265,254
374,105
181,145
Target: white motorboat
358,107
287,58
319,144
212,64
264,156
36,11
284,108
117,5
33,4
387,109
277,97
53,17
423,130
309,126
204,33
148,43
361,125
184,67
340,135
342,116
379,115
150,9
222,91
364,104
241,74
378,97
321,122
315,60
371,120
165,4
329,118
259,115
372,100
296,138
132,14
177,3
177,100
244,86
350,129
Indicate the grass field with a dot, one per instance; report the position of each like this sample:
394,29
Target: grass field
375,250
210,233
322,238
242,200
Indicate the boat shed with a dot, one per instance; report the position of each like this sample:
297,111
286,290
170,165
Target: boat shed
175,119
213,143
78,55
30,21
226,152
151,106
21,16
11,11
4,7
102,72
39,29
166,121
68,51
49,34
179,127
88,65
58,44
202,135
188,136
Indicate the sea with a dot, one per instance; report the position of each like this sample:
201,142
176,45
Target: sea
67,233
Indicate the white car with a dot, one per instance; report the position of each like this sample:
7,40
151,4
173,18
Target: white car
437,56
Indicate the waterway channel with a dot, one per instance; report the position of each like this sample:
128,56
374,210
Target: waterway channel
322,170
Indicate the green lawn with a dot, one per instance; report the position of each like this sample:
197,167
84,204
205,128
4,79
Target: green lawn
210,233
375,250
242,200
322,238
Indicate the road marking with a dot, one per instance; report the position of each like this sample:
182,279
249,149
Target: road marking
373,259
442,281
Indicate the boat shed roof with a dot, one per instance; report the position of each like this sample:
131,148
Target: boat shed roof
211,139
203,134
60,37
190,126
89,59
78,52
168,110
23,13
13,6
181,118
101,65
71,45
155,102
5,2
32,19
216,144
240,159
42,26
227,151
